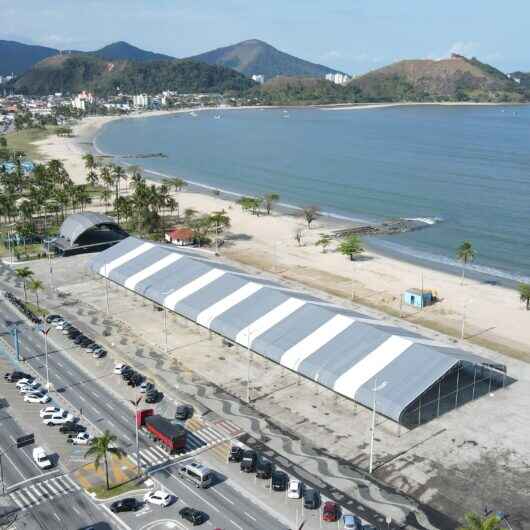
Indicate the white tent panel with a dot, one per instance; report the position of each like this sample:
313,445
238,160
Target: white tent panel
316,340
142,275
105,270
360,373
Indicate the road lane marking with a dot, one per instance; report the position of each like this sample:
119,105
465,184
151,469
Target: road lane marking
56,516
14,466
236,525
81,398
250,516
181,482
76,510
59,364
221,495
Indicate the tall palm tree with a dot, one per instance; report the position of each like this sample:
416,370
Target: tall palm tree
24,273
524,292
466,254
476,522
92,178
118,174
101,447
36,285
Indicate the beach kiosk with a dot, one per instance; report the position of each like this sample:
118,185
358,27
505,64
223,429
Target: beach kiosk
418,298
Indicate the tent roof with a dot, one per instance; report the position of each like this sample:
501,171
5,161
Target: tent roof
344,350
78,223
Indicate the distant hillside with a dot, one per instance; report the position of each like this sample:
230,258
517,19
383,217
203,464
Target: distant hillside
127,52
76,72
304,91
257,57
523,77
17,57
454,79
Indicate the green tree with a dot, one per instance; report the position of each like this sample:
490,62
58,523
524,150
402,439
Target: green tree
476,522
524,293
465,253
324,242
219,220
24,273
311,213
250,203
103,446
3,141
269,199
36,285
351,246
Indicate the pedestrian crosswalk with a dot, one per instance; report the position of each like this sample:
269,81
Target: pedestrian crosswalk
37,492
200,435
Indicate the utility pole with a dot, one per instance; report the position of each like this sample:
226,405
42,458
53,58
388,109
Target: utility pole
14,333
51,269
135,404
374,390
45,333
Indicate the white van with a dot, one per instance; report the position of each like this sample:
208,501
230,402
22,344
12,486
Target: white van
196,473
41,458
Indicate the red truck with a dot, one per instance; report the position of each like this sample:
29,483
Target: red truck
172,435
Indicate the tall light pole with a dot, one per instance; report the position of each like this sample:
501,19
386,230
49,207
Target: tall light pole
165,329
14,334
374,390
135,403
45,331
51,269
248,367
107,288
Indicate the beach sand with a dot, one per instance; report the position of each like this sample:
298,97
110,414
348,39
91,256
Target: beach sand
494,316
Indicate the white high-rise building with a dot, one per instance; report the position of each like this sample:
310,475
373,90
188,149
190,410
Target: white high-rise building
338,79
259,78
140,101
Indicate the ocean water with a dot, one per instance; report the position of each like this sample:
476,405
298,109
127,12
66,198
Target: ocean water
465,170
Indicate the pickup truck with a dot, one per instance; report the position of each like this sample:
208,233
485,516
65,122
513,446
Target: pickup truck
41,458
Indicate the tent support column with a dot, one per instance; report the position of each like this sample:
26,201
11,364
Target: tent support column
457,385
439,395
474,381
489,391
419,413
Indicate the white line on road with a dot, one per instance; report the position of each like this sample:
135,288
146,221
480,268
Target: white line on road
221,495
236,525
194,492
56,516
95,394
76,510
14,466
59,364
81,397
250,516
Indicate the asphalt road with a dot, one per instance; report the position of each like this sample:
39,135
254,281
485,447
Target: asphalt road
225,507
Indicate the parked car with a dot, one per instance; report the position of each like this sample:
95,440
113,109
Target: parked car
278,481
79,339
330,512
60,324
119,368
99,353
146,386
311,499
50,410
11,377
235,454
295,489
248,462
154,397
82,438
41,458
72,428
37,397
351,522
135,380
183,412
26,381
57,419
264,469
29,388
52,318
193,516
91,347
158,497
129,504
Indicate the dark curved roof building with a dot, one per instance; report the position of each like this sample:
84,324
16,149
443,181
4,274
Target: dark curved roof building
86,231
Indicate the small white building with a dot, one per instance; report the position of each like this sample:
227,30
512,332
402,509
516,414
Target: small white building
258,78
338,78
140,101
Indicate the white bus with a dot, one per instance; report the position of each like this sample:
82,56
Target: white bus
200,475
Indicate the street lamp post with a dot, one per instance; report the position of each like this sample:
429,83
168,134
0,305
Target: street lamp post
374,390
107,288
135,404
165,329
45,334
248,367
14,334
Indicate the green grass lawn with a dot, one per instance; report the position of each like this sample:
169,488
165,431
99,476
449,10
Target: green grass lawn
102,492
23,140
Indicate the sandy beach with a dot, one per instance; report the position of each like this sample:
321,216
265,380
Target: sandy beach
494,316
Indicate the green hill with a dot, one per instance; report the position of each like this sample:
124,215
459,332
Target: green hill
16,57
454,79
257,57
127,52
76,72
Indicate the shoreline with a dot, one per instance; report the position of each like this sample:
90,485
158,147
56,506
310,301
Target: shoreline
496,319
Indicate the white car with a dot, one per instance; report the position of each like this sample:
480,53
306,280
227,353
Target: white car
51,410
118,368
41,458
26,382
295,489
37,397
159,497
61,324
57,419
29,389
83,438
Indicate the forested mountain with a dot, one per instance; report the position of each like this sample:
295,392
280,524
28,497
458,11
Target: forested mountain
454,79
257,57
125,51
76,72
16,57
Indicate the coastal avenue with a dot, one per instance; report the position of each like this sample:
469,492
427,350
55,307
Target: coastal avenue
99,407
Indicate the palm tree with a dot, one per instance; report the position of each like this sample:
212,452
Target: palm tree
269,199
24,273
101,447
466,254
524,292
36,286
118,174
476,522
92,178
324,242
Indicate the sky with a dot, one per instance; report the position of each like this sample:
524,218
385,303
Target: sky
354,36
